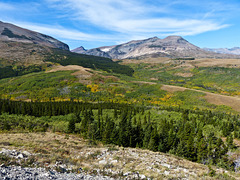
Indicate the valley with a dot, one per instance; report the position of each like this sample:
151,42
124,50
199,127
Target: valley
153,108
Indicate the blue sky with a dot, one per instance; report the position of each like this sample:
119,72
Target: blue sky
94,23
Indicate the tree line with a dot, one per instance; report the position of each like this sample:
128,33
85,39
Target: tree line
193,134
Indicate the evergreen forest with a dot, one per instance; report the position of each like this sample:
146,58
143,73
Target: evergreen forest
193,134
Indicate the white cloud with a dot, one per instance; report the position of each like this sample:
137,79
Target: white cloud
119,21
6,7
63,33
130,17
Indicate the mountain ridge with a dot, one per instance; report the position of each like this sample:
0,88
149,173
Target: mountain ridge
171,46
13,33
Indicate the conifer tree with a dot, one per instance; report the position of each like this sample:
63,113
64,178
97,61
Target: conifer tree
71,125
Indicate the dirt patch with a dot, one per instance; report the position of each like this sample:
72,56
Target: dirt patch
144,82
217,99
184,74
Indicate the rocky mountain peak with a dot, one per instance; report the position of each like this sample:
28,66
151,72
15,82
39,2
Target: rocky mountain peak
175,39
12,33
153,38
80,49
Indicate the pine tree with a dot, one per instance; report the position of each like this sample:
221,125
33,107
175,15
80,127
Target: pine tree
153,143
106,137
171,140
71,125
202,151
123,130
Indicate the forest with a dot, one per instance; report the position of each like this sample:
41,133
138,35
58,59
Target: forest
13,71
196,135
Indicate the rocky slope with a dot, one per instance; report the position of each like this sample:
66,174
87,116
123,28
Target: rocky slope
69,155
171,46
235,50
12,33
18,172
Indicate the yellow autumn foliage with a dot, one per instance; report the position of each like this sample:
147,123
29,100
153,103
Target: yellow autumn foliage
93,87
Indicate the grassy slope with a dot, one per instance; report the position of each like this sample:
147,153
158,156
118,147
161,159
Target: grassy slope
22,58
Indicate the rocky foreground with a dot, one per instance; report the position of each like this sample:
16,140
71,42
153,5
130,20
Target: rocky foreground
18,172
59,156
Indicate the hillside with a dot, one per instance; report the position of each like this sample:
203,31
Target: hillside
171,46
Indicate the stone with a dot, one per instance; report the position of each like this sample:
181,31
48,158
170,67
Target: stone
103,162
20,156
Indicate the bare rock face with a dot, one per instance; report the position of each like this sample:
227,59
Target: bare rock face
171,46
12,33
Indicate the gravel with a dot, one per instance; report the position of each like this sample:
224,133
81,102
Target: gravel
34,173
20,173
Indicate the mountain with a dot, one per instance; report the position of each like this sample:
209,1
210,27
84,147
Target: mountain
171,46
12,33
80,49
22,47
235,50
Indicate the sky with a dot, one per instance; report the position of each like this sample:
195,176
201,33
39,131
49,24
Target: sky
95,23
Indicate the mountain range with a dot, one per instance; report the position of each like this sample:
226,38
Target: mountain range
235,50
22,45
171,46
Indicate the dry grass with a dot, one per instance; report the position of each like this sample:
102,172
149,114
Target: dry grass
189,64
83,74
147,60
217,99
217,62
112,160
170,88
